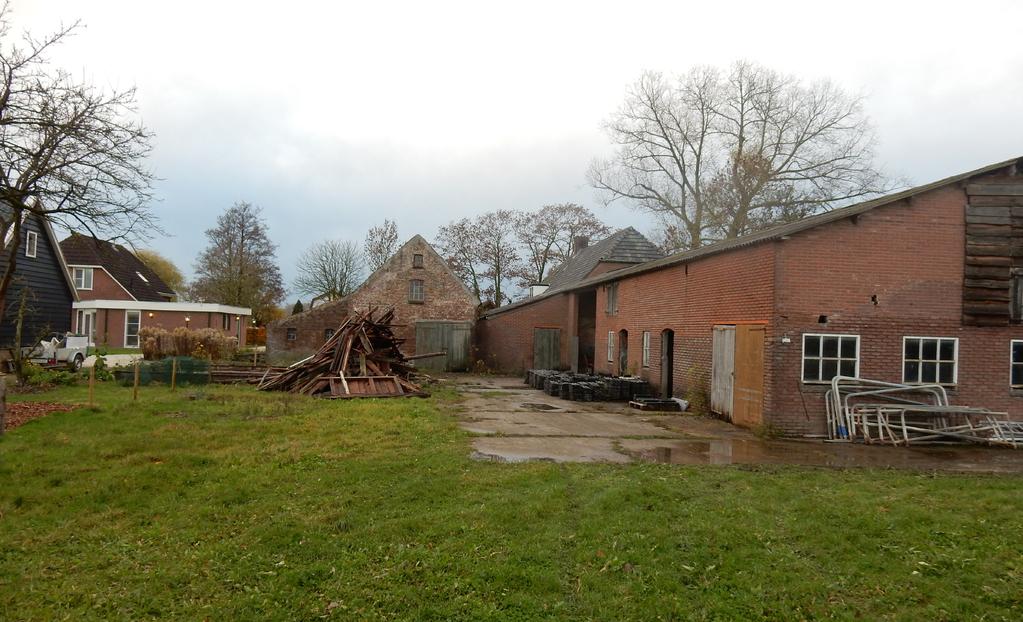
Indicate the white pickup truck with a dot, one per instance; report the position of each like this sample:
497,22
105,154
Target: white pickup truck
61,349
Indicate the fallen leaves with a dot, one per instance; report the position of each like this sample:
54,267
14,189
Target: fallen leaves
19,413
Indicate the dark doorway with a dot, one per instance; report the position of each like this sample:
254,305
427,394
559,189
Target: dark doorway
623,352
547,348
667,362
586,326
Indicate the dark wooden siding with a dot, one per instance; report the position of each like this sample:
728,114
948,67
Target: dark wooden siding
49,296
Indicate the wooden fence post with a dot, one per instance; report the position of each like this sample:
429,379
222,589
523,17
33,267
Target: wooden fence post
174,374
92,385
3,403
135,391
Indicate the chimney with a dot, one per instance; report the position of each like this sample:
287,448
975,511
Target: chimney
537,288
579,242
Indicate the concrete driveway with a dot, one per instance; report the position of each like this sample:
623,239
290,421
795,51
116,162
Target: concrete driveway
511,422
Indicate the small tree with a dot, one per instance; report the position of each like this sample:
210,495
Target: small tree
69,152
330,270
381,243
163,267
298,308
458,242
239,265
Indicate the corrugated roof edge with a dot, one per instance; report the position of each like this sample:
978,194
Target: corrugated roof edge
761,236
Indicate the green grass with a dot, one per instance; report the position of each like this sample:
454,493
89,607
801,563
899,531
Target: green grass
225,504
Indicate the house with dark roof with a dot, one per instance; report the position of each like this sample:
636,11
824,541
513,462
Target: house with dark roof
119,294
434,310
922,286
554,326
41,276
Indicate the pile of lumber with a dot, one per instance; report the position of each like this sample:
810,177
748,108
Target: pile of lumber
362,358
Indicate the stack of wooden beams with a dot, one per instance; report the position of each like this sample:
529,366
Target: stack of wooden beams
362,358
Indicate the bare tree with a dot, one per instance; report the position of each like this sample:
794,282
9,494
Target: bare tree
69,152
482,252
381,243
721,155
458,243
239,266
330,270
547,235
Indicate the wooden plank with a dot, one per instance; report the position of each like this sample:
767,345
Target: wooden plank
987,272
981,295
990,283
985,320
722,368
978,308
1005,189
988,210
1000,231
748,389
989,240
1002,250
984,201
988,260
989,220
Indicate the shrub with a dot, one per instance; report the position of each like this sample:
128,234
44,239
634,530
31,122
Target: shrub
36,376
207,343
103,372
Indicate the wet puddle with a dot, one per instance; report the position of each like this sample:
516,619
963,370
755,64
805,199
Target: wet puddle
755,451
538,406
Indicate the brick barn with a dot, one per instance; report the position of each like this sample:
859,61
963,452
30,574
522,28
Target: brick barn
924,285
554,327
434,309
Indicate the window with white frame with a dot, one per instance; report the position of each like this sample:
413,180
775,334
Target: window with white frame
83,278
610,346
827,356
416,290
31,243
225,321
292,334
929,360
132,321
646,348
1016,363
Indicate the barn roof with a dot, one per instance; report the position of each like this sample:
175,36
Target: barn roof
128,270
626,246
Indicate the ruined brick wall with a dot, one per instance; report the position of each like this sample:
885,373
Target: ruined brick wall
445,298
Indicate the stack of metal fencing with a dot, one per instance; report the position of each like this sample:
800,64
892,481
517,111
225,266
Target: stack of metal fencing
872,411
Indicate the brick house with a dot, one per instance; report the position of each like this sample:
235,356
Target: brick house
924,285
119,294
554,328
433,308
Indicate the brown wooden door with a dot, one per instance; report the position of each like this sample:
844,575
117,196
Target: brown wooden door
546,348
748,388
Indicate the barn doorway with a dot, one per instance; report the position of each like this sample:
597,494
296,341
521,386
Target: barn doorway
623,352
546,348
667,363
737,373
452,338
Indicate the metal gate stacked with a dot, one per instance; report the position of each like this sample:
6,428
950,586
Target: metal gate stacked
890,413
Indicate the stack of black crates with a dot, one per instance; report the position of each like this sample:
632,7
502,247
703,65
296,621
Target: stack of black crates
587,387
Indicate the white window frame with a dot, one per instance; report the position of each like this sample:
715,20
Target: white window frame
1013,342
611,291
291,334
31,244
80,321
84,272
610,346
821,357
921,360
646,348
138,342
412,291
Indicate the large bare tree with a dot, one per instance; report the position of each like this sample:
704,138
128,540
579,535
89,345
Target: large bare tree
69,152
547,236
381,243
239,265
720,154
330,270
482,251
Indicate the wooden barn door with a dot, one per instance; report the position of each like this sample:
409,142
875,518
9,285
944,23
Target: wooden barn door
443,336
546,348
748,389
722,374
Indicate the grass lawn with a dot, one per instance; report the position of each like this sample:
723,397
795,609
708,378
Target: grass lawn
225,504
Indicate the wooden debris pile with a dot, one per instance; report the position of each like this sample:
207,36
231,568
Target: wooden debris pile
361,359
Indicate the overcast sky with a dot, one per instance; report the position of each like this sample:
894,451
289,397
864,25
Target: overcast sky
334,117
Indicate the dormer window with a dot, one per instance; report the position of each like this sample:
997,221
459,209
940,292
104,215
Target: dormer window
83,278
417,260
31,243
141,276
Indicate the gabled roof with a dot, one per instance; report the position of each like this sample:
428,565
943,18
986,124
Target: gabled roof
129,271
626,246
384,268
54,243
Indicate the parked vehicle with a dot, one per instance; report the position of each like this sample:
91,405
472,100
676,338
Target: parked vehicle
61,349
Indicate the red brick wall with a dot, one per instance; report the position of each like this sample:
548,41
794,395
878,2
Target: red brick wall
104,287
504,341
446,299
689,299
910,256
110,323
